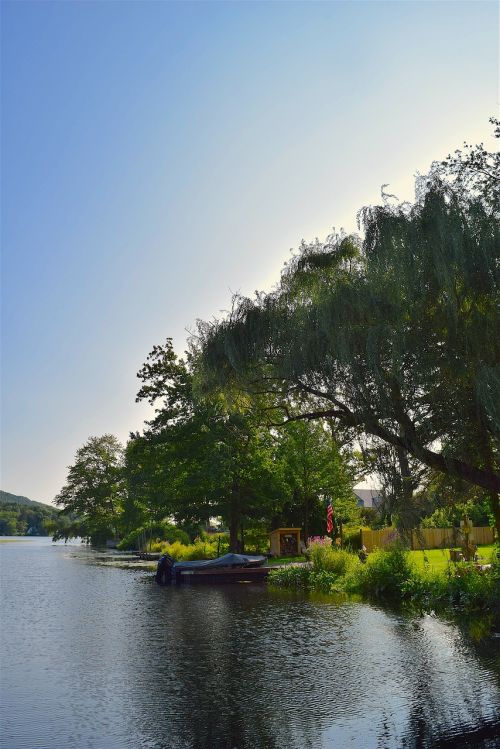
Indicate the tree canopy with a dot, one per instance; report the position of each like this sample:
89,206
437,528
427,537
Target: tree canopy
316,470
387,338
94,490
211,461
393,334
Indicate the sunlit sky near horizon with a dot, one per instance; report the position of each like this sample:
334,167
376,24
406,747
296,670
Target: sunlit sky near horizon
157,156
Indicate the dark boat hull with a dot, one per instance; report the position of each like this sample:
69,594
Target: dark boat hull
221,575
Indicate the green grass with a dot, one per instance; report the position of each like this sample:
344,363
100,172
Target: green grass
285,560
438,559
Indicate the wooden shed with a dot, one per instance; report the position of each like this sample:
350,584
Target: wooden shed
285,542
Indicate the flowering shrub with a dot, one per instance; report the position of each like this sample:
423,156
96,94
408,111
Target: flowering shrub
331,560
318,541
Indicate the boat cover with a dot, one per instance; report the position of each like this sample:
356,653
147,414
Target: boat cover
228,560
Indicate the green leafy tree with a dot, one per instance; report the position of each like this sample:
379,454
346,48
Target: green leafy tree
315,468
204,459
10,522
400,476
394,335
94,490
150,465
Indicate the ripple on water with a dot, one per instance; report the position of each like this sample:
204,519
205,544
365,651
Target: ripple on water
102,657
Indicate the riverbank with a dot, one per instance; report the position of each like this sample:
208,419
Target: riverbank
426,581
394,575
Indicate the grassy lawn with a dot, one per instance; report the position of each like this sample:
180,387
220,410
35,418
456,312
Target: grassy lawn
285,560
439,558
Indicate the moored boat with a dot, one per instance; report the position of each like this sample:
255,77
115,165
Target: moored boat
227,568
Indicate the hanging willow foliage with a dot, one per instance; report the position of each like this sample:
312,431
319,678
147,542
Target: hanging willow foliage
395,334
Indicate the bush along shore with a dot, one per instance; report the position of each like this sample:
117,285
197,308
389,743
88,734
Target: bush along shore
391,575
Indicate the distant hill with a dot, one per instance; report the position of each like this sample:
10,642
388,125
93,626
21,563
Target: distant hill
7,498
20,516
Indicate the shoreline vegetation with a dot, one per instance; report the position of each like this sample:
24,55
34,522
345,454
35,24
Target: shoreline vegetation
395,575
423,580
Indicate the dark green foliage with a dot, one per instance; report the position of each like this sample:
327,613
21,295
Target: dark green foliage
396,339
141,537
256,539
446,502
352,538
465,587
291,576
388,575
322,580
26,520
472,589
475,170
304,578
167,380
385,573
314,467
451,515
200,458
94,491
150,480
20,516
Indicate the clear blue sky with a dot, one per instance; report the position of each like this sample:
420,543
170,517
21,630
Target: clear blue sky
157,156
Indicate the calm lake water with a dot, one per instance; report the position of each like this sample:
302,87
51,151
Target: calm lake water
96,657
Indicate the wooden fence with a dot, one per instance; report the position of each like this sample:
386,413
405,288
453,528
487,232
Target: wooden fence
425,538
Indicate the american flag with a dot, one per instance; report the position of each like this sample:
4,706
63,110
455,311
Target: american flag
329,517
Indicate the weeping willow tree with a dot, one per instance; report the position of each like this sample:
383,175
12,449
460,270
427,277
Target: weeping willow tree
394,333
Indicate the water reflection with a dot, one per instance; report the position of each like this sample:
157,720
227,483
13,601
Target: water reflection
104,658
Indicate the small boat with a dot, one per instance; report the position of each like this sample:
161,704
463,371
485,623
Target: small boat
228,568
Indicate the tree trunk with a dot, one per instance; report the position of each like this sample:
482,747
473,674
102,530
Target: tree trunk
408,515
495,508
234,524
487,452
306,516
